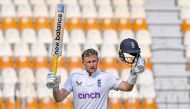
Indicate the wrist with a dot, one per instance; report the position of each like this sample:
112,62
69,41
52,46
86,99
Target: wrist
132,78
56,88
58,80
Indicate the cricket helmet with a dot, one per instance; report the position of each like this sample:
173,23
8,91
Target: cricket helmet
129,46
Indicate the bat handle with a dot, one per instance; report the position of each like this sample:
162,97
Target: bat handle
55,62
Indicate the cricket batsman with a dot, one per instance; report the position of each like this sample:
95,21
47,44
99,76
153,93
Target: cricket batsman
91,87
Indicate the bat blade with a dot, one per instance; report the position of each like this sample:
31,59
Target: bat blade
58,34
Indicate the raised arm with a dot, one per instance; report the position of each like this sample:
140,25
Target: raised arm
135,70
129,53
128,85
60,95
52,82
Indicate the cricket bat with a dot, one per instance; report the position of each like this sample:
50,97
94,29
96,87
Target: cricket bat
58,34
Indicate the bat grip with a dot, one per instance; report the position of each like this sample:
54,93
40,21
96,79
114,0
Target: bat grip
55,62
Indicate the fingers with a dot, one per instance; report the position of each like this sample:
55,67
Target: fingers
139,66
51,81
51,78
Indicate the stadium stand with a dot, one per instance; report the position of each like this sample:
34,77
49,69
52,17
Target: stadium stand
168,58
20,2
162,28
73,54
2,2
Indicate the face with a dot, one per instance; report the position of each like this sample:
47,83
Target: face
90,63
129,58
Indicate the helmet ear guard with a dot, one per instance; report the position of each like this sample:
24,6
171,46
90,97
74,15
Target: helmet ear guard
121,55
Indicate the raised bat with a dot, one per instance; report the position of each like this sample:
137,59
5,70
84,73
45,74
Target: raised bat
58,34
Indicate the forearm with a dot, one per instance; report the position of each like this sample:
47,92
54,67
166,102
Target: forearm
59,95
125,86
132,78
128,84
131,81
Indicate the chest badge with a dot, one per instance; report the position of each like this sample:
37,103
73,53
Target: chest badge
99,82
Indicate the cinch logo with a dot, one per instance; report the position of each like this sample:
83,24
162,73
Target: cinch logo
89,95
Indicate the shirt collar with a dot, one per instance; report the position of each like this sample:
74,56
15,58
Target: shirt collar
94,74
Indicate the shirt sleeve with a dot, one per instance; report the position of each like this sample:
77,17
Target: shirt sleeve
114,82
68,84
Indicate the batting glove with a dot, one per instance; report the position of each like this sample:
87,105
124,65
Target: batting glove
138,66
52,81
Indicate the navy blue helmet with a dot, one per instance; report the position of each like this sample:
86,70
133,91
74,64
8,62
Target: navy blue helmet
129,46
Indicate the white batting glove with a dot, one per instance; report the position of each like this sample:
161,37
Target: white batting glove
52,81
138,66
